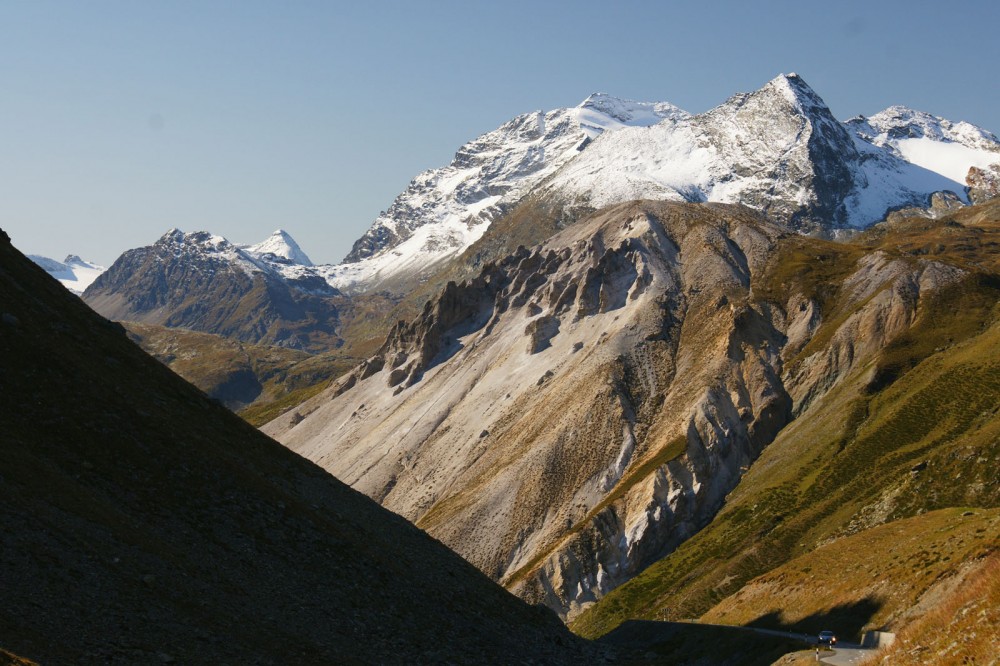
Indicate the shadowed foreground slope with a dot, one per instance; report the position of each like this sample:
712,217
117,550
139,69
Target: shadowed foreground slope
144,523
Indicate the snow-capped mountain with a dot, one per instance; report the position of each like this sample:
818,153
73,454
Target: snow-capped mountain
206,283
445,210
279,247
929,141
779,150
73,272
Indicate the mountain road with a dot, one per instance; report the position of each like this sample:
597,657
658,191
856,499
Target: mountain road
845,654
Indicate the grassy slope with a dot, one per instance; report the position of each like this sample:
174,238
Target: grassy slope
241,375
869,580
846,463
962,628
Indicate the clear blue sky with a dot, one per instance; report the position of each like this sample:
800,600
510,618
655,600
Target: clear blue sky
122,119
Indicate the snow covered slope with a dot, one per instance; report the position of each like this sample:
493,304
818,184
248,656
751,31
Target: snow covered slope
931,142
73,272
445,210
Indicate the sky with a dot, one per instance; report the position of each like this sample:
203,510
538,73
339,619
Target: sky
121,119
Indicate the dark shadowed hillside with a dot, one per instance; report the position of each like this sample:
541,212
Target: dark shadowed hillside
144,523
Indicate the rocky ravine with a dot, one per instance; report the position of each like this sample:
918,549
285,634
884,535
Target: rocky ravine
578,410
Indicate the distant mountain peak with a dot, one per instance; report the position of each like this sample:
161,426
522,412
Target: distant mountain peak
72,272
281,244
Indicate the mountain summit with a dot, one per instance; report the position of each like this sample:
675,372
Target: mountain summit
281,246
72,272
444,210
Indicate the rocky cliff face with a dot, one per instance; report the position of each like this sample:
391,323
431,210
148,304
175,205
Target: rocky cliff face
578,410
984,184
205,283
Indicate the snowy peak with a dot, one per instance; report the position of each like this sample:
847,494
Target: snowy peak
786,108
936,144
281,247
900,122
628,112
72,272
443,211
796,92
197,241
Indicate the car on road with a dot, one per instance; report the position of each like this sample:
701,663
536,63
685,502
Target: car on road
827,638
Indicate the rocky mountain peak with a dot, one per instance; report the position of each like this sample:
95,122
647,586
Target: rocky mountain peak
796,91
785,103
203,282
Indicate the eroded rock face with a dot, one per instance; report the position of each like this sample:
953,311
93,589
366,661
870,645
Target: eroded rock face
580,409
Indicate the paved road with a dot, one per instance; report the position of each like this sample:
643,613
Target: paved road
845,654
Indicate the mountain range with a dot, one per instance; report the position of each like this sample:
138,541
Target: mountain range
778,150
639,364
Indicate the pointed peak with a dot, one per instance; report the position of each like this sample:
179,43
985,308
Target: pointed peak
283,236
199,238
281,244
174,234
795,89
597,98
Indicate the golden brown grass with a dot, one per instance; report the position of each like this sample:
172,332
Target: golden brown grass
963,628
